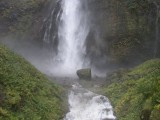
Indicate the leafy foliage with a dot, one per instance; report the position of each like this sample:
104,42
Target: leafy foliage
25,93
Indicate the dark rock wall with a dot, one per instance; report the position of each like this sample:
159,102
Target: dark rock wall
123,32
23,17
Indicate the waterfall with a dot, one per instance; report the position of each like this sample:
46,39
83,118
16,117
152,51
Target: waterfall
68,27
72,32
66,30
50,28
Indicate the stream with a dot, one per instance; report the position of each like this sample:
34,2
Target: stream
86,105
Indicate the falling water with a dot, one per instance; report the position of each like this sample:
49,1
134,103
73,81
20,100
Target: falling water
66,30
72,32
72,25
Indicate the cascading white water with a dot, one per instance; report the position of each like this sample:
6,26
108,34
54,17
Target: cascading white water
72,24
86,105
72,32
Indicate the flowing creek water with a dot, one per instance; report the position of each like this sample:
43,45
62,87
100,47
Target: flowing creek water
72,23
86,105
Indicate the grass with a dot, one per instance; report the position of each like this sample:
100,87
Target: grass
25,93
135,94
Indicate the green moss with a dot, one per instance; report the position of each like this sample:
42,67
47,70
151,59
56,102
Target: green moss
25,93
136,93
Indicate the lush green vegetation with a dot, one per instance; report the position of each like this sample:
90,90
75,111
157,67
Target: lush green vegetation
135,94
25,93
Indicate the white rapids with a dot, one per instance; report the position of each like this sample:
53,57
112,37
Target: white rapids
86,105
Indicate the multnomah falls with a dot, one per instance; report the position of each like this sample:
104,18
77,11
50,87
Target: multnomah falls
79,59
72,30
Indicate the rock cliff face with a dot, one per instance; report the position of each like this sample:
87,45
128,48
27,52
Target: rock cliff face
124,31
24,19
18,16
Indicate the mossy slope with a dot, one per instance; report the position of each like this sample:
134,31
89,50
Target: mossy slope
135,94
25,93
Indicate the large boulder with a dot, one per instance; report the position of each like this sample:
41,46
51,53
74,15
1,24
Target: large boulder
84,74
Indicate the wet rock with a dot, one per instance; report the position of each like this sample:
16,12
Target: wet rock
84,74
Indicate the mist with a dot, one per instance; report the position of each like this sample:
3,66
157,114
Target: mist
51,54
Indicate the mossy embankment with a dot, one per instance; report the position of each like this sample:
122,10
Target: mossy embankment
25,93
135,94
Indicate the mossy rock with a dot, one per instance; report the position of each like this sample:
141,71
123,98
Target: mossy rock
84,74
